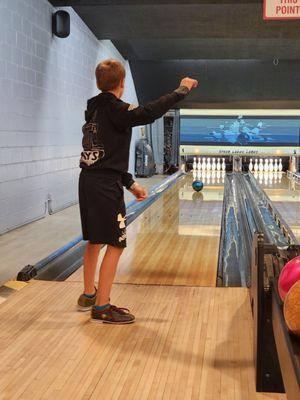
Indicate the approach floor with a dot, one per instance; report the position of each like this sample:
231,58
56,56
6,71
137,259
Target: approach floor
187,343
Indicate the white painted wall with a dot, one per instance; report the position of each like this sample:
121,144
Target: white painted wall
44,84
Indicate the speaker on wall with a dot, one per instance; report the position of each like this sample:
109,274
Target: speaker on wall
61,24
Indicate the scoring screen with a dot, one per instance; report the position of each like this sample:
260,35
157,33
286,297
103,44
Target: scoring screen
240,131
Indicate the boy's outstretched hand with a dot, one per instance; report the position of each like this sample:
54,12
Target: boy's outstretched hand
189,83
139,191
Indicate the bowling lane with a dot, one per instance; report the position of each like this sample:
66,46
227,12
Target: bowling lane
176,240
284,192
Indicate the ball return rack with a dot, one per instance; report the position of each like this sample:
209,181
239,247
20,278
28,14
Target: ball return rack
255,244
276,350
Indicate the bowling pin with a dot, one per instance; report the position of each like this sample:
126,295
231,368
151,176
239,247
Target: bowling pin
208,164
199,163
194,175
275,176
250,165
271,169
203,164
218,165
204,176
194,164
255,174
256,165
261,165
280,165
213,165
218,175
266,166
223,164
275,165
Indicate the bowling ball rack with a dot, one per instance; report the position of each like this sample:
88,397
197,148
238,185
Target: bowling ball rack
276,350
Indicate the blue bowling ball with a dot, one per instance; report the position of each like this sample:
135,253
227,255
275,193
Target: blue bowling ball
197,186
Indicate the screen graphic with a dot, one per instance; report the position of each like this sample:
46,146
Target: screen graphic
240,131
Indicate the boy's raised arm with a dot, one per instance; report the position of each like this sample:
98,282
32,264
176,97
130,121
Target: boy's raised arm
129,116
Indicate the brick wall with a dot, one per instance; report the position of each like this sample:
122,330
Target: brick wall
44,84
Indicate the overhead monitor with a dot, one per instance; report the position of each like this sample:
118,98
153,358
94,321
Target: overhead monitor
239,130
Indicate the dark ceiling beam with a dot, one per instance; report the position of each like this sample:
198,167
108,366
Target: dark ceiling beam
207,49
219,80
184,21
62,3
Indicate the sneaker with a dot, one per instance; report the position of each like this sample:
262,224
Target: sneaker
86,303
112,315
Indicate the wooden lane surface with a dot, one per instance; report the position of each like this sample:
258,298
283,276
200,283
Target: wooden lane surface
187,343
286,198
175,241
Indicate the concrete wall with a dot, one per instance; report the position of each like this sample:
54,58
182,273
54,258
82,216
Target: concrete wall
44,84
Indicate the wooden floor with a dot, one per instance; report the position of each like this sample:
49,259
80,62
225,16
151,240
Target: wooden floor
175,241
187,343
191,340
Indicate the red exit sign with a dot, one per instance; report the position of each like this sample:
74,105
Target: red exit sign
281,9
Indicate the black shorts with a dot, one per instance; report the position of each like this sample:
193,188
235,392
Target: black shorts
102,207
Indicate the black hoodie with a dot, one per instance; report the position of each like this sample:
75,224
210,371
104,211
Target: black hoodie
108,128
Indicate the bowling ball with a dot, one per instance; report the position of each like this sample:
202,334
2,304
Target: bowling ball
197,186
289,275
291,309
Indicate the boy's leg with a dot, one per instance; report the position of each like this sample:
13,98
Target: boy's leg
107,273
91,255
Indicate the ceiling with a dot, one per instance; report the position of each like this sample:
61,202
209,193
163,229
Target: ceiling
191,32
